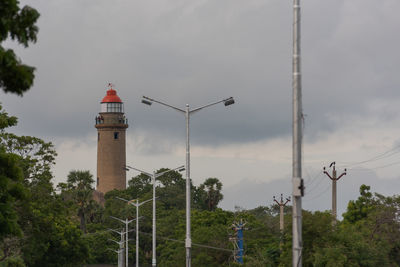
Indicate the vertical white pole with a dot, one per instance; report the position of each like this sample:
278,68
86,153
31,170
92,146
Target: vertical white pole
137,232
188,241
297,136
126,243
153,263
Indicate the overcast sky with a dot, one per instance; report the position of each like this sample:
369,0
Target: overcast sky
199,51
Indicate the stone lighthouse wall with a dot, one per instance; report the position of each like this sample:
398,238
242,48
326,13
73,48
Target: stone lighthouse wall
111,152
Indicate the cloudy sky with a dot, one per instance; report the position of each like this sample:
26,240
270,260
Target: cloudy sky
201,51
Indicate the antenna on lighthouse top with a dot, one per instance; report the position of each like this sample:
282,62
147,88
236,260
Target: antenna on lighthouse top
110,86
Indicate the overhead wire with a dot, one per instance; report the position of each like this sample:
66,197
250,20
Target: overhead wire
383,155
320,194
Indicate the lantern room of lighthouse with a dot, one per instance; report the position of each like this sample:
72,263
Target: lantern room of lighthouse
111,126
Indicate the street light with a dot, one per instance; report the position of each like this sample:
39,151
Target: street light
137,205
148,101
121,246
154,176
126,222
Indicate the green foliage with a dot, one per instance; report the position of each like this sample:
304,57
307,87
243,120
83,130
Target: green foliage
36,157
79,189
11,190
19,25
209,194
11,187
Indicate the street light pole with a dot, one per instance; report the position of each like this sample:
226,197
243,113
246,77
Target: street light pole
126,222
148,101
137,205
154,176
188,240
153,260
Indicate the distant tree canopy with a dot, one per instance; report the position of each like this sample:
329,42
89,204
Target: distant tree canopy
40,226
19,24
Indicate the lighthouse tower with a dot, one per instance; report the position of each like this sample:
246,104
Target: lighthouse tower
111,126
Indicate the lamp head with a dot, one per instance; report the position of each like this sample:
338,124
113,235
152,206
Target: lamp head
229,101
147,102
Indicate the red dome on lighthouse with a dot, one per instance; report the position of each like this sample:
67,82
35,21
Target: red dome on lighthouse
111,97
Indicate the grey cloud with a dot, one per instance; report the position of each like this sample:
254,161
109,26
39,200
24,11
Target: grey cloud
202,51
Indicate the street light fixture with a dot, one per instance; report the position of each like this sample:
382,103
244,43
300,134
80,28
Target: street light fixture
154,176
187,111
137,205
126,222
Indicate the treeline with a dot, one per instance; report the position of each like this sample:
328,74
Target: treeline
46,225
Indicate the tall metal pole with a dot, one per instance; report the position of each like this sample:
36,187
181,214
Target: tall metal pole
227,102
153,176
121,249
297,140
137,233
126,222
188,241
153,262
126,242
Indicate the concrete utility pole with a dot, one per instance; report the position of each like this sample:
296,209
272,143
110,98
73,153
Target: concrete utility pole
334,179
297,181
281,205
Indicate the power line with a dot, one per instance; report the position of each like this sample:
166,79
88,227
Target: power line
194,244
316,185
383,155
310,181
320,194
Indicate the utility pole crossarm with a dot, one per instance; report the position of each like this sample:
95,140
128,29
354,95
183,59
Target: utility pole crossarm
342,174
330,177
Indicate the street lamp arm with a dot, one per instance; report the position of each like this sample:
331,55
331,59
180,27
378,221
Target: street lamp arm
116,251
119,243
118,219
139,170
164,172
140,204
211,104
115,231
164,104
120,198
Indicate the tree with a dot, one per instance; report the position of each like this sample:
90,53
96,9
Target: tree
211,191
36,156
11,187
79,189
19,24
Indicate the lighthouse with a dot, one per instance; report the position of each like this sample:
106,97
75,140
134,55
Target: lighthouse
111,126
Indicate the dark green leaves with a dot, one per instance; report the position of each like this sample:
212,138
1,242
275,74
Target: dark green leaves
19,25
